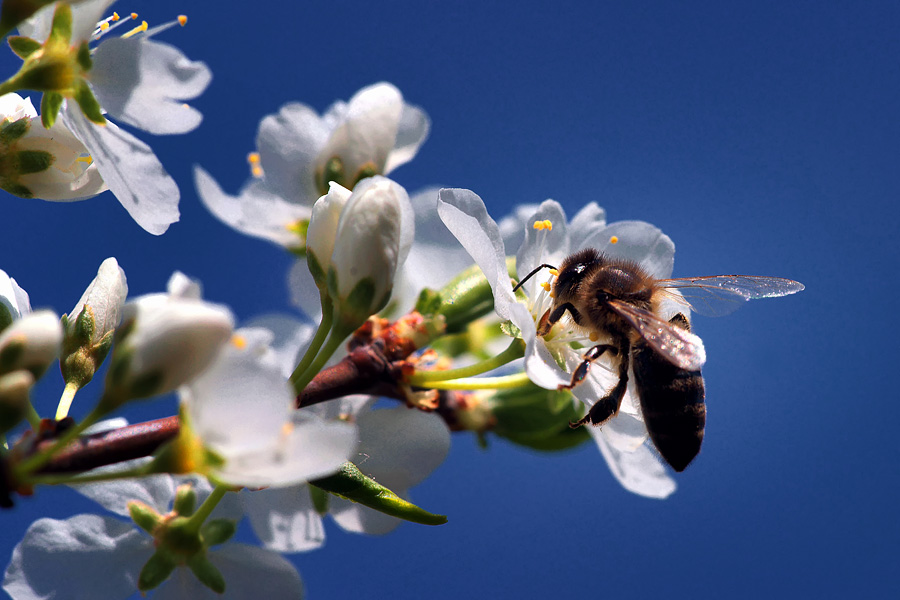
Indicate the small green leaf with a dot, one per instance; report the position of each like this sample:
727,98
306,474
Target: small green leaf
207,573
217,531
352,484
144,516
156,571
88,103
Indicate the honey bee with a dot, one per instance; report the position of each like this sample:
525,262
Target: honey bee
616,297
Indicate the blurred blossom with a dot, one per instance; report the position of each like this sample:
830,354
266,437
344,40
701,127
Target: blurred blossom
31,343
99,557
167,340
242,410
140,82
622,439
50,164
300,153
14,300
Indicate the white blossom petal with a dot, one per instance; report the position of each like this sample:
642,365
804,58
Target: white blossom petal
285,519
77,553
130,169
144,83
639,472
411,133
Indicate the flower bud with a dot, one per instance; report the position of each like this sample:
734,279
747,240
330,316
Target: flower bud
367,242
165,340
14,390
89,326
13,300
31,343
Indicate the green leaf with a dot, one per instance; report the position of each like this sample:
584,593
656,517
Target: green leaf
352,484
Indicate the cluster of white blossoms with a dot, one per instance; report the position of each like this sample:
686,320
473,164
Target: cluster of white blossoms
410,297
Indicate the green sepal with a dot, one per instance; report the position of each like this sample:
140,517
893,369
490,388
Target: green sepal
217,531
51,103
11,131
144,516
14,398
332,170
11,354
185,500
360,303
33,161
207,573
6,317
319,499
88,103
83,57
508,328
350,483
156,570
17,189
316,270
23,46
429,302
61,27
84,326
367,170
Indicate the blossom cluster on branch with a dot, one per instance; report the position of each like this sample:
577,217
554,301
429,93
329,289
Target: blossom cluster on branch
405,297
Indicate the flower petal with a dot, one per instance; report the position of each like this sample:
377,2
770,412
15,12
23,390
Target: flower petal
130,169
411,133
639,242
284,519
639,472
75,555
144,83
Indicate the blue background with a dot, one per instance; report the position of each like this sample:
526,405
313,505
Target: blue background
762,137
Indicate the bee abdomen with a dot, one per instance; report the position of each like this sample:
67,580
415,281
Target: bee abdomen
672,403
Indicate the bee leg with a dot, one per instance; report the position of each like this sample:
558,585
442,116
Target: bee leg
607,406
550,318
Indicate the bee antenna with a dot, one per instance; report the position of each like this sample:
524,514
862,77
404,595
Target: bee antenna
530,275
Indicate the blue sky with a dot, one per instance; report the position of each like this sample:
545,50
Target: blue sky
761,137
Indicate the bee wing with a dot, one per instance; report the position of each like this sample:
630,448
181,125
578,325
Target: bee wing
719,295
682,348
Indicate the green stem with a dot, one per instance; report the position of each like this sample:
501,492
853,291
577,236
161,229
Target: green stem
35,462
316,344
34,419
199,517
335,339
65,401
482,383
68,479
516,349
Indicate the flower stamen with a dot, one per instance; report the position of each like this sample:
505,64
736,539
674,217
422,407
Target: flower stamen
255,168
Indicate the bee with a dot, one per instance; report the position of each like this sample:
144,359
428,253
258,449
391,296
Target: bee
616,297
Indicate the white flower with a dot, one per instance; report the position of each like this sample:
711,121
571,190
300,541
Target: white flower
622,439
373,133
89,556
140,82
170,339
69,175
104,299
357,241
31,342
242,409
14,300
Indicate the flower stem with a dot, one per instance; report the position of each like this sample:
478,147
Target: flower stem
335,339
34,419
316,344
204,510
516,349
68,479
65,401
482,383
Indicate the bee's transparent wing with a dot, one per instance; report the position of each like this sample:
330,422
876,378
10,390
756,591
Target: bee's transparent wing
682,348
719,295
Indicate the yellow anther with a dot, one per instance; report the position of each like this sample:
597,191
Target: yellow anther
546,286
553,294
554,272
545,224
614,240
548,224
538,225
593,337
253,157
134,16
104,26
255,168
287,429
182,20
239,342
115,16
